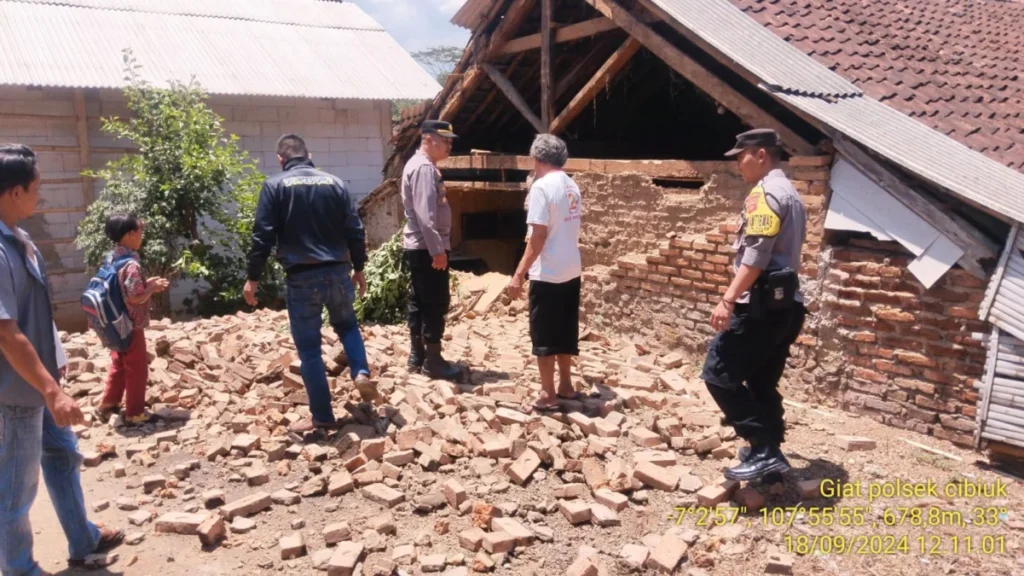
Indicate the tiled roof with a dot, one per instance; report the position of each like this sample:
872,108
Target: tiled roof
955,65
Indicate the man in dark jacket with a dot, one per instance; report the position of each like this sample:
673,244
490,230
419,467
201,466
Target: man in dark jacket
309,216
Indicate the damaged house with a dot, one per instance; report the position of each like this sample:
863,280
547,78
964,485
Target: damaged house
906,161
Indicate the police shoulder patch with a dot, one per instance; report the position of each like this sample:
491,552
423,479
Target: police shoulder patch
761,219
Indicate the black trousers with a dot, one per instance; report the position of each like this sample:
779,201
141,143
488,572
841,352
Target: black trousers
743,368
429,298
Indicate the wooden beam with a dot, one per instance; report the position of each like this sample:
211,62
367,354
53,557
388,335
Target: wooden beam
546,86
469,83
513,20
569,33
453,185
585,96
682,169
593,59
975,246
494,92
513,95
83,144
724,94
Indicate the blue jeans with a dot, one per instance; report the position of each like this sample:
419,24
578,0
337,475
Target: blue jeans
308,292
29,437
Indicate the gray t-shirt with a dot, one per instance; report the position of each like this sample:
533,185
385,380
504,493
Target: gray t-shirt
428,216
773,227
24,298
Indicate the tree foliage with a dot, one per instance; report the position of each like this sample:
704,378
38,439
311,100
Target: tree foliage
439,60
387,284
192,185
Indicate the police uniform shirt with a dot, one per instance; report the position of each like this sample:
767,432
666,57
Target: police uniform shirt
773,227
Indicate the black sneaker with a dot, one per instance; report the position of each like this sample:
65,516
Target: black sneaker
762,460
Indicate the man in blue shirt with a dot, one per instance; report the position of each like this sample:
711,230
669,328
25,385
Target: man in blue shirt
35,413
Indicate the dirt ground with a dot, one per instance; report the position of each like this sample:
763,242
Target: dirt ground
982,535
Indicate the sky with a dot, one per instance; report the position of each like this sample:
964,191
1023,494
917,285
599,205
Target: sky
418,24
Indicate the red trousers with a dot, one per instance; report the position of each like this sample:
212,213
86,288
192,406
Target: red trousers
129,373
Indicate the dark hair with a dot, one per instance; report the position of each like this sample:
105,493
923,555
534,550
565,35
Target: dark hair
119,225
17,166
292,146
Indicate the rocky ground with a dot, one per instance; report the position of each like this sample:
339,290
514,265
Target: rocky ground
461,479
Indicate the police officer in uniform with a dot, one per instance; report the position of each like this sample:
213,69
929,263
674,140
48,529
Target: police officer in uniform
761,314
427,243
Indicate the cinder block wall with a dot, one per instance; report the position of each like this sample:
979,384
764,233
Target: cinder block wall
347,138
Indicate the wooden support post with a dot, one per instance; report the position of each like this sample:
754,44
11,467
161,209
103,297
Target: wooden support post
722,92
514,97
975,246
546,87
604,75
83,145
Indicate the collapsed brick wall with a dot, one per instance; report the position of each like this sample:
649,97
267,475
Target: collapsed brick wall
896,351
665,292
629,213
877,342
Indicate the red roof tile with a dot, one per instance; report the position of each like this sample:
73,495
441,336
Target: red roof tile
956,65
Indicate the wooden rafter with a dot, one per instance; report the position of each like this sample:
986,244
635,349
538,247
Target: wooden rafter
546,86
722,92
469,83
501,111
592,60
513,96
494,92
566,34
604,75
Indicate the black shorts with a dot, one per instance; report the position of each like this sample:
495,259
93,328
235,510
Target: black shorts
555,318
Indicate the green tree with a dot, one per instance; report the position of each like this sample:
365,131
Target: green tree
438,61
192,185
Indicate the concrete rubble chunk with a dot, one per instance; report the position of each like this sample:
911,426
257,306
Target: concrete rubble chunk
212,530
454,493
668,553
779,564
603,516
285,498
292,546
140,518
242,525
247,506
569,491
179,523
809,489
340,483
334,533
383,495
246,443
151,484
575,511
346,557
432,563
583,566
855,443
613,500
655,476
523,536
524,467
498,542
472,539
634,556
404,555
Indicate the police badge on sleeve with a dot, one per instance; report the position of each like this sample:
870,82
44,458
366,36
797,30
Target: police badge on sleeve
761,219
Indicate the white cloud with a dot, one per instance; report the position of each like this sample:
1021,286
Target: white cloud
450,7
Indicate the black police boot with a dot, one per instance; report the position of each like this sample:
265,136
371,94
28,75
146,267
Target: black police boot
762,460
744,453
436,367
417,354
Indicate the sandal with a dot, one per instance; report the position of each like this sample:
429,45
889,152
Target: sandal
104,413
140,420
110,538
309,425
576,397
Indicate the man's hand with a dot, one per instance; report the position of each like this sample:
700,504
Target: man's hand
65,410
249,292
158,284
515,287
440,261
359,279
720,317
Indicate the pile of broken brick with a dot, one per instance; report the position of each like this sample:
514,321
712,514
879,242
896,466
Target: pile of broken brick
227,389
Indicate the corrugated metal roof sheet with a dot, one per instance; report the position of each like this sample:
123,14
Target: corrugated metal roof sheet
45,44
298,12
777,63
921,150
472,13
1004,299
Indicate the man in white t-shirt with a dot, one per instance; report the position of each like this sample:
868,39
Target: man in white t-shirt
552,257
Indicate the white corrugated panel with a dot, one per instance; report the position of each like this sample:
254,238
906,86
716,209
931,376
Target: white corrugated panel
50,45
757,49
299,12
924,152
1004,301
